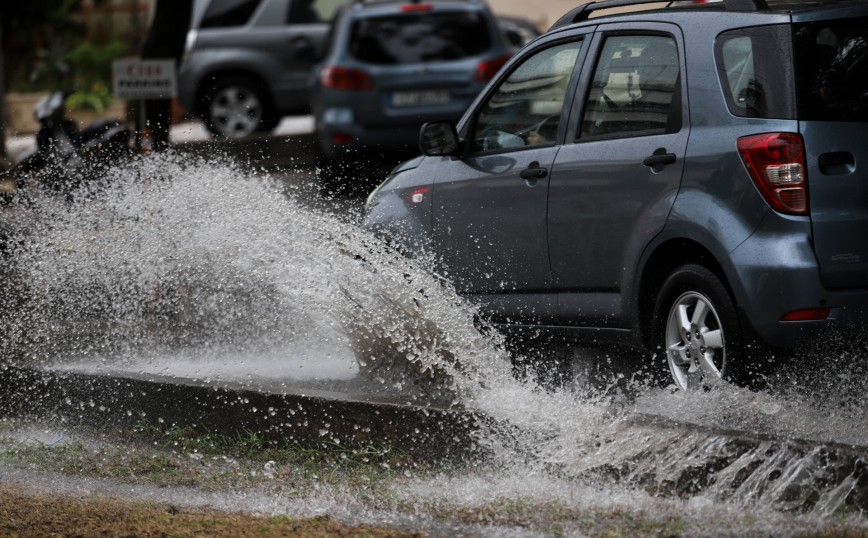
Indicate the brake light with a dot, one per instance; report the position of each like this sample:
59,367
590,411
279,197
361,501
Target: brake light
341,138
418,195
342,78
417,7
808,314
486,70
776,163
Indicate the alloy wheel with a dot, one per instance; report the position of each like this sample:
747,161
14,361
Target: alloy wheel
695,343
235,111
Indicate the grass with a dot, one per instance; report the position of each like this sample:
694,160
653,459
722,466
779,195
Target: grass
26,515
374,477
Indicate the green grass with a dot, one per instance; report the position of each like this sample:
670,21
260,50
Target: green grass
161,455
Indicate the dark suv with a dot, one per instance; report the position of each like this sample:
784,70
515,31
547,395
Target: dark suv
690,179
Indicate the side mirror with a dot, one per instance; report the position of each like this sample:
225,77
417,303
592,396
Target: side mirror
438,139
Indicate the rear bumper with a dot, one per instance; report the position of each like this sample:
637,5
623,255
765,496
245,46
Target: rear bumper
350,121
777,273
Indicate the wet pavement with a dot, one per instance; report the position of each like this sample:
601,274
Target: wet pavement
236,297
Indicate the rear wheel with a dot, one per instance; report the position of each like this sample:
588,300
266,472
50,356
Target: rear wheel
696,324
236,107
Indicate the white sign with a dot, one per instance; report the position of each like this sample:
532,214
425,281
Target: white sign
144,79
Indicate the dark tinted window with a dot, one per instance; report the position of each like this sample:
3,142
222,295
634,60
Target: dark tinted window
419,37
832,70
756,74
525,109
635,89
229,13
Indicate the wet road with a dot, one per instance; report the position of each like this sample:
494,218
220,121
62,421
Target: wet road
218,277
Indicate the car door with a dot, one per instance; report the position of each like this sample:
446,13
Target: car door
613,185
832,88
489,207
289,34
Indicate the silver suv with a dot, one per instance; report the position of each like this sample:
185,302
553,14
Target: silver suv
691,180
247,63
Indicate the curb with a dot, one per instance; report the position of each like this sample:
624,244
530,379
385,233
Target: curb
97,400
656,455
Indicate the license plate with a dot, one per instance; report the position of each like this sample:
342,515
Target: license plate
420,98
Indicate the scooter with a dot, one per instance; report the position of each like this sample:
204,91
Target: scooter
66,157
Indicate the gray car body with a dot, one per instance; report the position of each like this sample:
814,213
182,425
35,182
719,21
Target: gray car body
585,249
374,123
278,55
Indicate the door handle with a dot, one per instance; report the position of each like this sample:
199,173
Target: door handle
533,172
837,163
659,159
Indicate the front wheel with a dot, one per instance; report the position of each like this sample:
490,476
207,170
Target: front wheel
695,321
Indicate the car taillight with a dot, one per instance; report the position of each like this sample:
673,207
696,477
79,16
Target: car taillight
418,195
486,70
776,163
341,138
342,78
417,7
808,314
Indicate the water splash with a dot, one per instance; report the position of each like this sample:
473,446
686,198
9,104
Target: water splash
190,267
201,261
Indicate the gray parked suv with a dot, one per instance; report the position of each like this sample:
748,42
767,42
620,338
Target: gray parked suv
247,63
691,180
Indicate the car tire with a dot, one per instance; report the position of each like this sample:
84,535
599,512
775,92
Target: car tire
696,326
237,107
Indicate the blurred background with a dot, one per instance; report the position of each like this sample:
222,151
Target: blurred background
88,35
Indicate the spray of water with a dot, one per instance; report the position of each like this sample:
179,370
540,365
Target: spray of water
202,268
198,259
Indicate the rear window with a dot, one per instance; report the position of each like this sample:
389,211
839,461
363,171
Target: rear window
222,13
419,37
756,72
832,70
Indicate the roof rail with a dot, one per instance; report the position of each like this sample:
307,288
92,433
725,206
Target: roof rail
583,12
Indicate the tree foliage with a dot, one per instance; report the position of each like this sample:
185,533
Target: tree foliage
37,34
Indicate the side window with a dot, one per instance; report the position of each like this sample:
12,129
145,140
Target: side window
223,13
525,109
635,89
755,71
741,81
312,11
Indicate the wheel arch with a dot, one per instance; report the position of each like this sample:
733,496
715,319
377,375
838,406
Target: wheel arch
659,264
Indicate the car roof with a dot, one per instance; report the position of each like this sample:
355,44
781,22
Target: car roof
594,11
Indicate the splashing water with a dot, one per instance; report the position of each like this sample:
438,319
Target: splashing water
196,268
196,260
